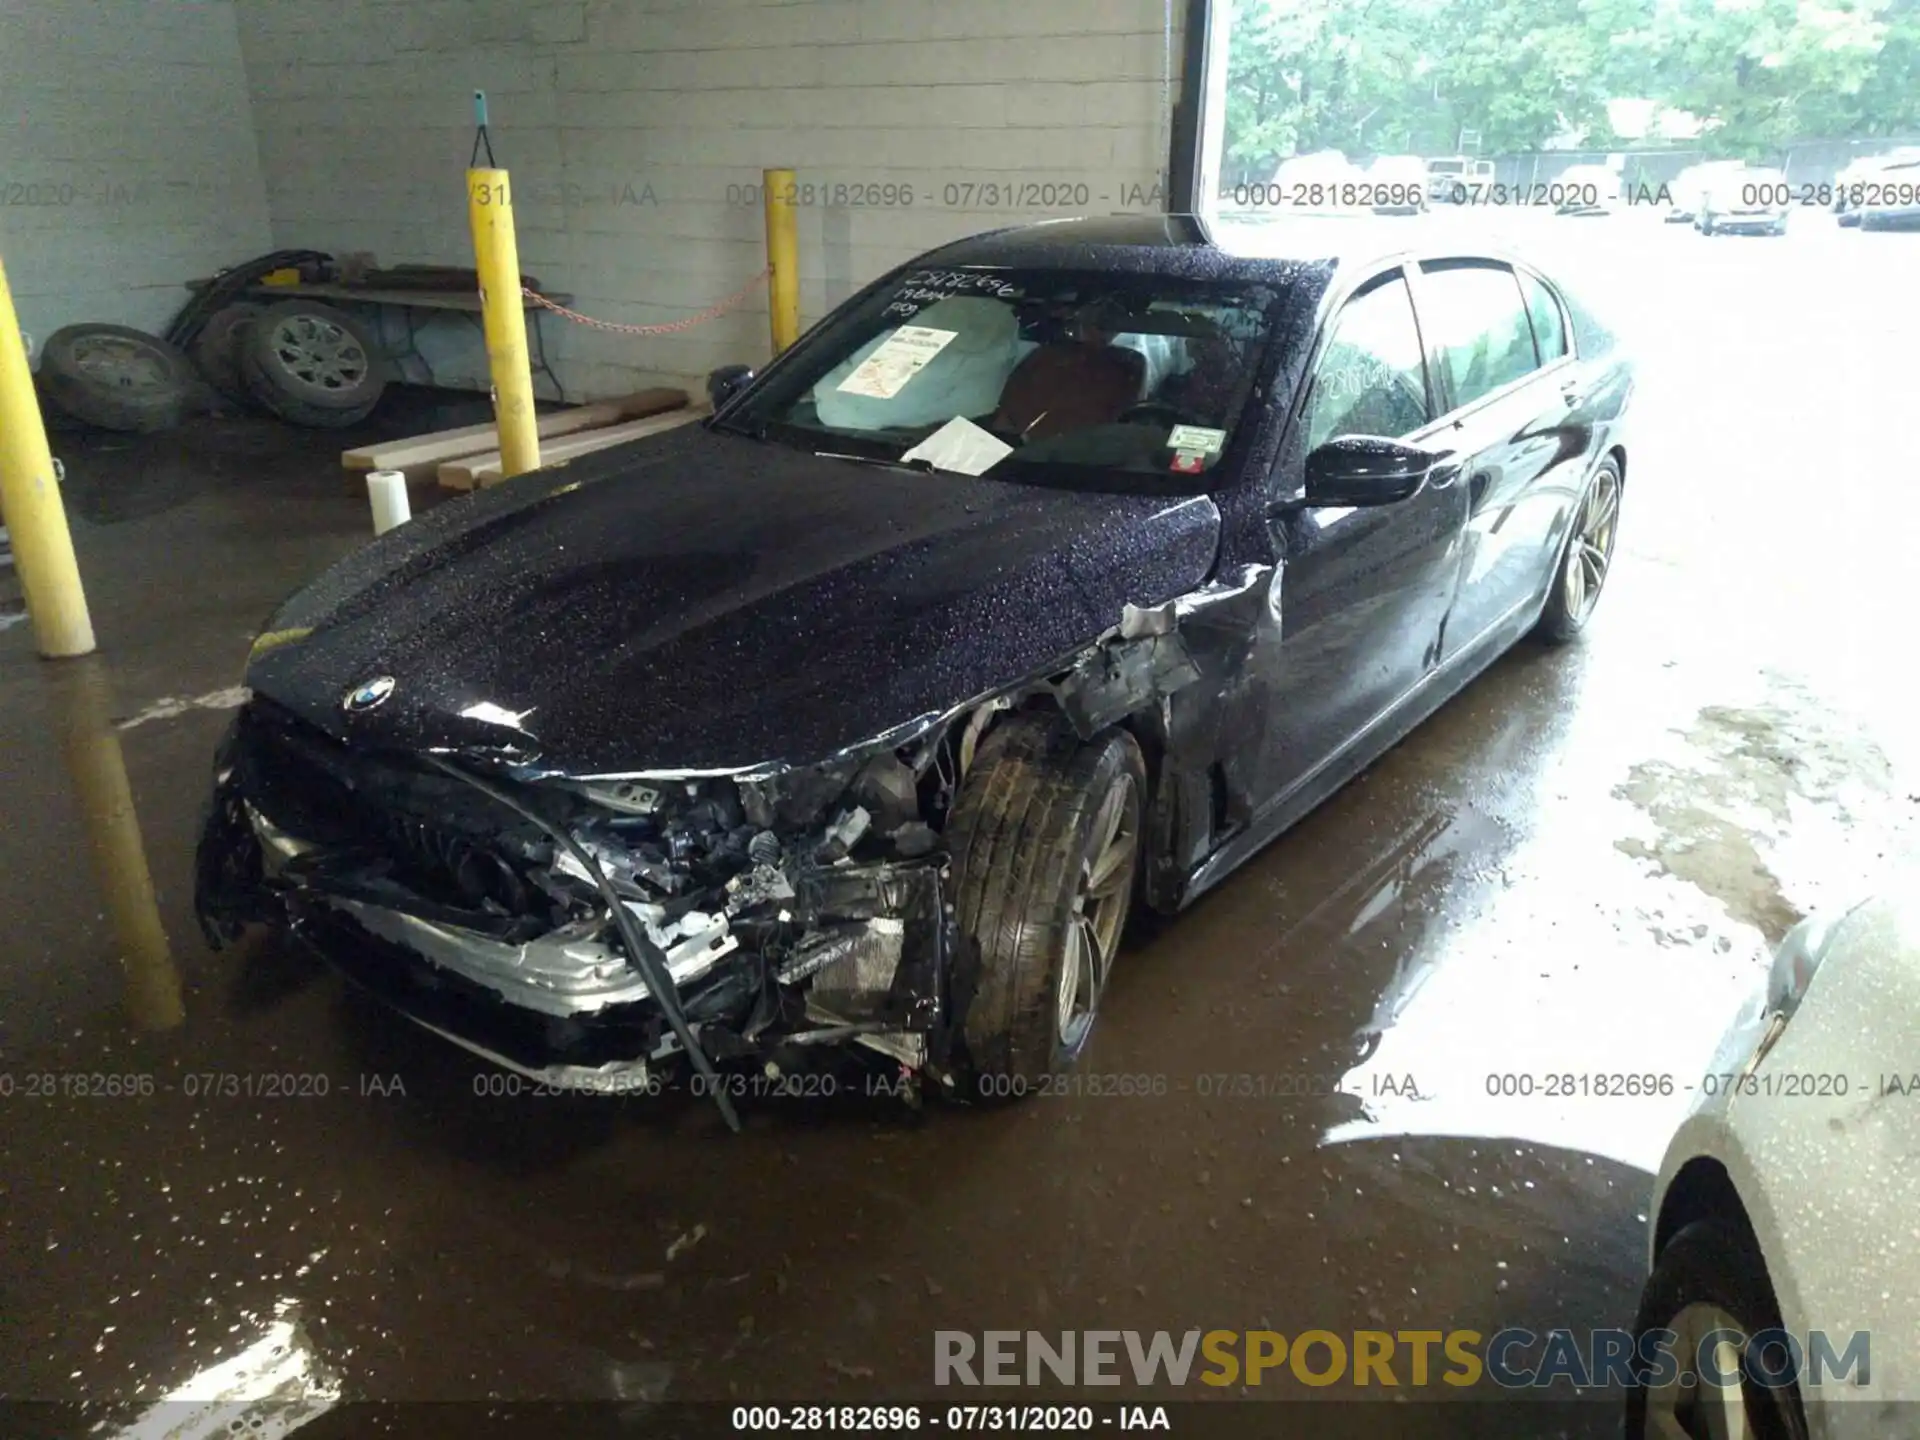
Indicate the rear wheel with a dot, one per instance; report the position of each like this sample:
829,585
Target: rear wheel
1046,844
1586,559
1710,1278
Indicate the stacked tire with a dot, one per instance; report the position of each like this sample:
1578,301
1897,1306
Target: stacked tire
216,350
309,364
117,378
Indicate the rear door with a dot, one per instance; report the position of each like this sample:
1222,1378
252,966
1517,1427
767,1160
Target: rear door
1509,402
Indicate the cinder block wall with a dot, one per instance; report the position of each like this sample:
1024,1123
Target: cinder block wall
127,160
636,131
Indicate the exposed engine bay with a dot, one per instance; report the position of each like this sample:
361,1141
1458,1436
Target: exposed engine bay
792,910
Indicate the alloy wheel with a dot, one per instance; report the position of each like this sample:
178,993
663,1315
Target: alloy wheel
1590,550
321,353
1700,1409
1099,913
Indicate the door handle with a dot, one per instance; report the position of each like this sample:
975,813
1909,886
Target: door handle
1570,392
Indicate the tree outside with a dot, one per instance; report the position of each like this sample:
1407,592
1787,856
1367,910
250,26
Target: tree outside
1373,77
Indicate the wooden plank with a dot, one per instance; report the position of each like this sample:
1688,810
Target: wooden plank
484,470
422,453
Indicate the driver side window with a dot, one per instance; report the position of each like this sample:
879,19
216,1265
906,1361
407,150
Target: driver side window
1372,377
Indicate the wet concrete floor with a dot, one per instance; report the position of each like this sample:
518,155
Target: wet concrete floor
1575,868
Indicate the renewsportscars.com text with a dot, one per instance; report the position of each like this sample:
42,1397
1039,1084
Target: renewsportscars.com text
1511,1359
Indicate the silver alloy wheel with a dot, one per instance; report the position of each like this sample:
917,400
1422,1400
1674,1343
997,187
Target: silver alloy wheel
122,362
1100,904
1590,549
1700,1409
319,352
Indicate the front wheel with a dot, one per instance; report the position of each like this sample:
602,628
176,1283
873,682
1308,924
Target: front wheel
1708,1281
1585,560
1046,845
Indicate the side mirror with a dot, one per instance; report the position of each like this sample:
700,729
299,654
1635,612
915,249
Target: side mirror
1366,470
726,382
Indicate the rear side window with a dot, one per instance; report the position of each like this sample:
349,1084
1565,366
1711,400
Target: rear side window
1476,324
1549,328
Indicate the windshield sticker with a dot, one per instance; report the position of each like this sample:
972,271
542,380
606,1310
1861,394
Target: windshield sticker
900,357
1188,462
1196,437
961,446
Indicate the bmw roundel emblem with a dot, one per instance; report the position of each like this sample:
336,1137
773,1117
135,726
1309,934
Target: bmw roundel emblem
369,694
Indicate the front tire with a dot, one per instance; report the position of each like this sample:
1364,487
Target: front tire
1046,844
1710,1276
1585,560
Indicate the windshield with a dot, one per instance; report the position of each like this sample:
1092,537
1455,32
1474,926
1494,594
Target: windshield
1048,375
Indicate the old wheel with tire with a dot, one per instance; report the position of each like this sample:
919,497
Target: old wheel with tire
312,365
216,349
116,377
1711,1278
1046,844
1585,559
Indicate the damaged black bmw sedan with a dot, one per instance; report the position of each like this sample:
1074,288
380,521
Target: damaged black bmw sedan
1062,568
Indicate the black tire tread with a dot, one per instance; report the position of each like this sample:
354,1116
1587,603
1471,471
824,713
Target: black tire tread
79,395
216,349
1017,832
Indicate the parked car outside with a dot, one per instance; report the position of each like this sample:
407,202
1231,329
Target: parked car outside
1398,184
1785,1200
1059,569
1688,189
1457,179
1585,190
1889,199
1850,186
1749,201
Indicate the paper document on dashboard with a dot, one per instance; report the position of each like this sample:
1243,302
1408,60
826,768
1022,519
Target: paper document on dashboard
962,446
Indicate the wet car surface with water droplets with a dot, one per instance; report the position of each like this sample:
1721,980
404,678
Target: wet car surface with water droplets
1575,867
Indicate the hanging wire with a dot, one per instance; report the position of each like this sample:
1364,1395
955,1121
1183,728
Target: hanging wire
712,312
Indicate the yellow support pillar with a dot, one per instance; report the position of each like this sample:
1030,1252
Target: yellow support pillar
504,313
783,258
30,502
99,772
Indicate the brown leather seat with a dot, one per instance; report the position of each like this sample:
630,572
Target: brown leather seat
1067,385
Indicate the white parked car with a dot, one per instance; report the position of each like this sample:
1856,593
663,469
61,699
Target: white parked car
1584,190
1689,188
1790,1199
1747,201
1454,177
1398,184
1325,181
1861,180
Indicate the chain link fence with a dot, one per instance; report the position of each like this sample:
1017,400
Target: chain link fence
1811,162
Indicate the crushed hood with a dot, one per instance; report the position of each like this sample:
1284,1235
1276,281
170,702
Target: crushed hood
701,601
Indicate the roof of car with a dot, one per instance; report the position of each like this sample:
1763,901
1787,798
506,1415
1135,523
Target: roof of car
1191,246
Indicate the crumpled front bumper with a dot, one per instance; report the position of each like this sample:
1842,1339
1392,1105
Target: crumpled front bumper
873,966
